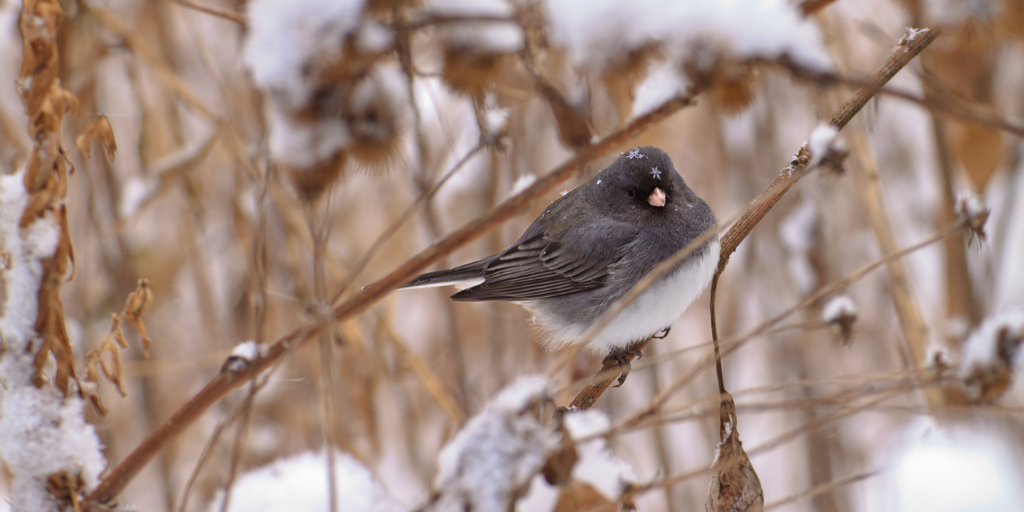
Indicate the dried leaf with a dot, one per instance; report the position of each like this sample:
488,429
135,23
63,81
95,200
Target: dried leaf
135,308
734,486
116,332
558,468
68,489
579,496
101,132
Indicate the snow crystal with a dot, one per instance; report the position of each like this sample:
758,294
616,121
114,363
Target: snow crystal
299,483
484,37
839,309
498,451
823,143
286,35
41,432
594,32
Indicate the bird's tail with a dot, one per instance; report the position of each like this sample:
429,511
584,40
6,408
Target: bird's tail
466,276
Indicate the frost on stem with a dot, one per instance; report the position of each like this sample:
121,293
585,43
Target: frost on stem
707,44
490,462
297,483
331,90
990,356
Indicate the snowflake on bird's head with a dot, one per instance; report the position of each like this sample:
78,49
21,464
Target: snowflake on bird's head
635,153
655,173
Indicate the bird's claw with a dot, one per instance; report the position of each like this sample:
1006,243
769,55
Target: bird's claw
619,359
662,334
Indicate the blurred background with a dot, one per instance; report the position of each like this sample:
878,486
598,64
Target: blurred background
199,184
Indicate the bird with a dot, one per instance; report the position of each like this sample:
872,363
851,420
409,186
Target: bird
588,248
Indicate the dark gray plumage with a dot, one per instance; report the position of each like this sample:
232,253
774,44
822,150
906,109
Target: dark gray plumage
590,246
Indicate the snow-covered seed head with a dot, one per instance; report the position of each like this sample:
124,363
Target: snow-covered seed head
377,116
973,210
624,73
711,66
840,313
471,73
989,356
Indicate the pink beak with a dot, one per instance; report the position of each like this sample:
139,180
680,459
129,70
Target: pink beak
657,198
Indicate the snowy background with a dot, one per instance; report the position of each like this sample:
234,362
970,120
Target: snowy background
231,117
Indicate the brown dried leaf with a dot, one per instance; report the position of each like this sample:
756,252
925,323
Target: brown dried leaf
557,469
116,332
101,132
50,325
67,489
135,308
734,486
579,496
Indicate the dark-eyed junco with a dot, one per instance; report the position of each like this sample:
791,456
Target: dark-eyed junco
590,246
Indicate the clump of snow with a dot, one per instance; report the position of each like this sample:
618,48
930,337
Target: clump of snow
990,355
824,144
663,83
969,206
840,313
597,466
480,37
522,183
41,432
285,36
299,484
495,121
960,466
247,350
839,309
599,34
489,463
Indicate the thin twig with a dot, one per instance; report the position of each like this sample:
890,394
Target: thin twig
218,12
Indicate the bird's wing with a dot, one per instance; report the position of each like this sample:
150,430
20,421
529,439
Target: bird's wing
543,265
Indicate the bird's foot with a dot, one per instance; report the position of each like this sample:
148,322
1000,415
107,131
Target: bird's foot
619,359
662,334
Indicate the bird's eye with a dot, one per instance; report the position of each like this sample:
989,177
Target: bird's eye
632,193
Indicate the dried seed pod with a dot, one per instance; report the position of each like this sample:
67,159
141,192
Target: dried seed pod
377,113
